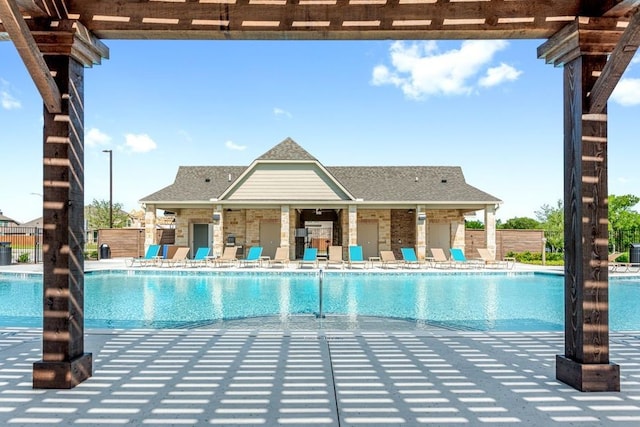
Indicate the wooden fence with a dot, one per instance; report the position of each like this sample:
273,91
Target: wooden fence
506,241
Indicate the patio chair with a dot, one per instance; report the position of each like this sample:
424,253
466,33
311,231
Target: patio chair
490,260
621,267
440,260
179,258
280,258
310,257
335,257
149,257
253,257
200,258
355,257
228,257
388,260
410,259
461,261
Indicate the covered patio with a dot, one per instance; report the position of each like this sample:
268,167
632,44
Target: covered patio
593,41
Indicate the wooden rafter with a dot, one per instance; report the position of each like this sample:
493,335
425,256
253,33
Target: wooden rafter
30,54
616,65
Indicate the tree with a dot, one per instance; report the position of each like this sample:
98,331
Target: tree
474,225
552,221
621,216
520,223
97,215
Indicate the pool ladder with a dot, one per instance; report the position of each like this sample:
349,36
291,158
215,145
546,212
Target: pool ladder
320,314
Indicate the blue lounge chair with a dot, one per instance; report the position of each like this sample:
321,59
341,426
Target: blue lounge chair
253,257
200,257
410,259
149,258
356,257
310,257
459,260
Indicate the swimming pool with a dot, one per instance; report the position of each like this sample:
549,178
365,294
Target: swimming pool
471,301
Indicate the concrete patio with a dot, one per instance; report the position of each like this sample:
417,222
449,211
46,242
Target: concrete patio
250,373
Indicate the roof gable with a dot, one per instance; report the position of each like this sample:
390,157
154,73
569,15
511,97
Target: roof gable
287,150
286,181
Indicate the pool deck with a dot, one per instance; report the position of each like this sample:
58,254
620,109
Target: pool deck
316,374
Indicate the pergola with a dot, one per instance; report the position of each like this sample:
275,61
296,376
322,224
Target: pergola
593,40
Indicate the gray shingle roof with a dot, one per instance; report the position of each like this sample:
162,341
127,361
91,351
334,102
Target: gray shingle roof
287,150
370,183
197,183
409,183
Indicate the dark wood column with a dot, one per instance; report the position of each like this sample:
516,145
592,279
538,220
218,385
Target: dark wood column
585,364
64,362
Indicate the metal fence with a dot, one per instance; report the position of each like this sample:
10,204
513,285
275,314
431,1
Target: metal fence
25,243
619,240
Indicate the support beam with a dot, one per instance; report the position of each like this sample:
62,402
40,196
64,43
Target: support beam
64,363
585,364
28,49
618,62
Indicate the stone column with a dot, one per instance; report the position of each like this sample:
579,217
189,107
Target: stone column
353,225
218,231
150,222
490,228
64,362
458,234
284,226
421,232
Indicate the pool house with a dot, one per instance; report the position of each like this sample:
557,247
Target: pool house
288,198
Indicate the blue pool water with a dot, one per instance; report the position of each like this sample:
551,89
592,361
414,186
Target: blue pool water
487,302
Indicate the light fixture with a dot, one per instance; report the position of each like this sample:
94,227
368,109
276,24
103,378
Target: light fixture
422,216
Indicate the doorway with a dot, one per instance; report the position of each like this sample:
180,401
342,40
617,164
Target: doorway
368,238
440,236
202,237
269,238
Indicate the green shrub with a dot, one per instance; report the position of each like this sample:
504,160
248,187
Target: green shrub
551,258
23,257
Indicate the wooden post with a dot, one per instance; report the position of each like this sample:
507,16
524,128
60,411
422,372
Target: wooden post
64,363
585,364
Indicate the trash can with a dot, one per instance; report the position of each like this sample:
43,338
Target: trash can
5,253
105,251
634,253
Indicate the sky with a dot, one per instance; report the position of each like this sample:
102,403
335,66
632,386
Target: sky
491,107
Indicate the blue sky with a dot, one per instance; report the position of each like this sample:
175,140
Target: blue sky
490,107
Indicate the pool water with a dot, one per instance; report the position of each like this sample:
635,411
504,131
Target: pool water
486,302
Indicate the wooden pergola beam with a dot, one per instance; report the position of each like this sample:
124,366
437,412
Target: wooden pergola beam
616,65
26,45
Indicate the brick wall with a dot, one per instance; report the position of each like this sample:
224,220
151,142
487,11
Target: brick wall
403,230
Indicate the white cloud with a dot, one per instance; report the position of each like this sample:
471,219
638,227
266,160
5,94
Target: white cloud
8,102
233,146
280,112
627,92
141,143
95,137
420,70
498,75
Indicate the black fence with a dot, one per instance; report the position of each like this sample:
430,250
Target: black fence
619,240
23,243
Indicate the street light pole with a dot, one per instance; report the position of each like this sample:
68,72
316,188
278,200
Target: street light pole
110,186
